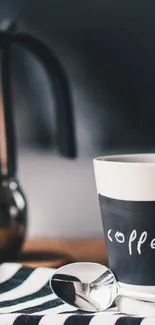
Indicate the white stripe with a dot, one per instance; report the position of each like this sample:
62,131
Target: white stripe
8,270
66,307
28,304
37,279
148,321
8,319
57,320
104,319
63,308
56,310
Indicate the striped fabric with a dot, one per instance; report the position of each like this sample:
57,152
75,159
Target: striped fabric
26,299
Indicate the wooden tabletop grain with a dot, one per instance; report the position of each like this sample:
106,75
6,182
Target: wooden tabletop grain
56,252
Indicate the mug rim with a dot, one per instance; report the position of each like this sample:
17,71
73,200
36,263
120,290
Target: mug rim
130,180
127,159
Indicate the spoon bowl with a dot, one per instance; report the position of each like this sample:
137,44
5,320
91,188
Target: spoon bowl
88,286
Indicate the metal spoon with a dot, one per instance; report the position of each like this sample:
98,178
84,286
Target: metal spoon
91,287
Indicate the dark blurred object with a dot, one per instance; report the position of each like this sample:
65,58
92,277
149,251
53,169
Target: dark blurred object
101,54
13,212
107,49
65,138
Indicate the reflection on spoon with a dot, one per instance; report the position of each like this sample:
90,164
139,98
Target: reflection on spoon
90,286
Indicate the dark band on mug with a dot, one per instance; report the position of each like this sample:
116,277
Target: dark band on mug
129,228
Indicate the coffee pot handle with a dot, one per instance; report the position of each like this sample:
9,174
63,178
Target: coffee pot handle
65,132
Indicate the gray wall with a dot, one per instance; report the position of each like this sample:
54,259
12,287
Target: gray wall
61,194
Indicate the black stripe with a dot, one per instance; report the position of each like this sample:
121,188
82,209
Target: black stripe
77,312
129,320
46,290
78,320
27,320
46,305
21,275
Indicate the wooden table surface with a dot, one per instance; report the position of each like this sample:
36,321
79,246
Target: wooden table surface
56,252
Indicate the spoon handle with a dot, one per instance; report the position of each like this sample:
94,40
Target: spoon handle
143,296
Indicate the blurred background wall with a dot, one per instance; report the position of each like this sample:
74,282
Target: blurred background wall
107,50
61,192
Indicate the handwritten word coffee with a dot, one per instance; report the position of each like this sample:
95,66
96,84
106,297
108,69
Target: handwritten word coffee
133,238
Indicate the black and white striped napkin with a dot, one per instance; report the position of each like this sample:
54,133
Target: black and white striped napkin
26,299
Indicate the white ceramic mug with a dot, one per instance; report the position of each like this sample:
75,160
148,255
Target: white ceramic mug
126,191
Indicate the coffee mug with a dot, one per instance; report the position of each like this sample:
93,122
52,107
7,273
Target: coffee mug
126,191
